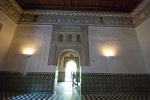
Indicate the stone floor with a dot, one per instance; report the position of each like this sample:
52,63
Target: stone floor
67,88
118,96
65,91
62,91
17,96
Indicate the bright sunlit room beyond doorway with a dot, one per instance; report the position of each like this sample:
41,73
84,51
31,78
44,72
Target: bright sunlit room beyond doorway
71,66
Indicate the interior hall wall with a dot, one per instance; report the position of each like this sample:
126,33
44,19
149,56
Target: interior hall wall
143,33
121,40
6,34
35,37
124,45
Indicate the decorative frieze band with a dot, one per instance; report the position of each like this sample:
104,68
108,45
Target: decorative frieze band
26,73
15,4
11,8
140,7
76,18
141,13
75,13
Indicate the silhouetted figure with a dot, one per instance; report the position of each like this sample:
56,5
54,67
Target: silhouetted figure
77,77
73,77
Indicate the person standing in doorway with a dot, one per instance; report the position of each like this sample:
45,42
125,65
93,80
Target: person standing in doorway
77,78
73,78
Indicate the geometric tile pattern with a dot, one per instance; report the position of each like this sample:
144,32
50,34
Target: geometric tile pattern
17,96
65,97
119,96
102,83
29,82
115,97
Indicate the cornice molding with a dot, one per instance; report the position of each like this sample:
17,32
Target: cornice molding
75,13
76,18
16,5
140,7
141,12
11,9
14,11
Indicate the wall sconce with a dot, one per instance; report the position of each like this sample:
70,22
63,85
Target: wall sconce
27,55
110,57
109,54
28,52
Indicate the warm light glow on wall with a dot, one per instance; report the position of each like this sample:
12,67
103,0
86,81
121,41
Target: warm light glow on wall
109,53
28,51
108,50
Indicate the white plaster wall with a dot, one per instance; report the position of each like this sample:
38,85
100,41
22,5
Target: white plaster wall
143,33
123,42
36,37
6,35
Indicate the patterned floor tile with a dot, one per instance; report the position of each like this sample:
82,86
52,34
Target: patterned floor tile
115,97
17,96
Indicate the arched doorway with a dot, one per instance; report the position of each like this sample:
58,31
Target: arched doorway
68,62
71,66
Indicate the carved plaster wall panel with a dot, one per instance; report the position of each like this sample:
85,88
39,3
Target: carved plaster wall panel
141,13
11,9
76,18
82,48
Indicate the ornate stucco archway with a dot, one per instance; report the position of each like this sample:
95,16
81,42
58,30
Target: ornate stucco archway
69,37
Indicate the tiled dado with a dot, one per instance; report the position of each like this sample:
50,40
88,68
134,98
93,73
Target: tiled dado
28,82
103,83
